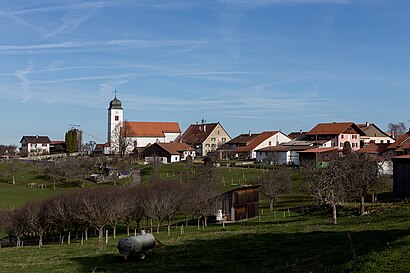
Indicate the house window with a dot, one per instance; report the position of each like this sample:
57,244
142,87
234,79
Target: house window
207,145
343,136
117,118
213,146
213,139
341,144
388,141
270,143
223,139
44,145
381,141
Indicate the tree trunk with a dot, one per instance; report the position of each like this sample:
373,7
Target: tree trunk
18,242
86,234
199,221
128,230
334,213
40,240
100,234
271,203
14,179
158,226
169,229
206,221
361,205
114,231
69,238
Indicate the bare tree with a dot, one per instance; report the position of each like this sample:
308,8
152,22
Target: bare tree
365,176
202,191
134,210
13,224
116,208
13,167
397,129
94,209
328,185
275,183
162,199
35,219
123,138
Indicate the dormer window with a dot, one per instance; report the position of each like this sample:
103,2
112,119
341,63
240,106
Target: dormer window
117,118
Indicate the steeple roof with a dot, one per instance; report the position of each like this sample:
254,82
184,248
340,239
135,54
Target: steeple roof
115,103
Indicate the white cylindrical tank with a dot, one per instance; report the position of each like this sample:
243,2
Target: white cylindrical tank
137,245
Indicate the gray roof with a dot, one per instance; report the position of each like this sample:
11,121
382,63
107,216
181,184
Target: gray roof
115,104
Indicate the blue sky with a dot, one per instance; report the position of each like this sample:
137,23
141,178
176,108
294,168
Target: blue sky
250,64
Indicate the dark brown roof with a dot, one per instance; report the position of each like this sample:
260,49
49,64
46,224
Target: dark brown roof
198,133
35,139
253,141
297,135
335,128
402,157
175,148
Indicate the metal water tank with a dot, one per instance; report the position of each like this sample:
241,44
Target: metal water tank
136,245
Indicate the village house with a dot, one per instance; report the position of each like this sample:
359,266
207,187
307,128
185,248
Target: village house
168,152
35,145
283,154
335,134
372,133
205,137
401,146
245,146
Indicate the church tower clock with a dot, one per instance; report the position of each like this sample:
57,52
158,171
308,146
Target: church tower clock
115,119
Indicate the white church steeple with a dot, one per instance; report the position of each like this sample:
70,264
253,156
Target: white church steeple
115,119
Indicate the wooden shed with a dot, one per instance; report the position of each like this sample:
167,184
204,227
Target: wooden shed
401,176
240,203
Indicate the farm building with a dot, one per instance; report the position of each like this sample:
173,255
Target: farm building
240,203
401,176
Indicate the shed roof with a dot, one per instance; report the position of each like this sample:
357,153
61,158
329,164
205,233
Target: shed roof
320,150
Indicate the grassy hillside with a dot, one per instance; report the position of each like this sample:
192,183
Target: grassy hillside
303,242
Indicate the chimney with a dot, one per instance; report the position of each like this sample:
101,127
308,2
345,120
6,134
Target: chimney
36,136
249,132
204,127
367,124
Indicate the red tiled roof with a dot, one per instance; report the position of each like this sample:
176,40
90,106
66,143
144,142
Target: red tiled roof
400,141
150,129
373,148
198,133
57,142
175,148
402,157
320,150
102,145
335,128
253,141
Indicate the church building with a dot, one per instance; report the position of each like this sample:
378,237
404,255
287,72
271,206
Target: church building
129,136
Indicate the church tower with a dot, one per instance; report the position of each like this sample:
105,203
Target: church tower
115,119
